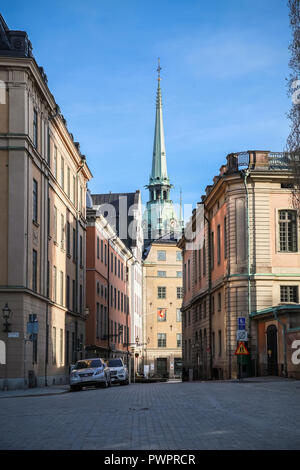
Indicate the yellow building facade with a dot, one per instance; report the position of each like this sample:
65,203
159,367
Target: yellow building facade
162,296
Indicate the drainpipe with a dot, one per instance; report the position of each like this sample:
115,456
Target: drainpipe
284,341
245,174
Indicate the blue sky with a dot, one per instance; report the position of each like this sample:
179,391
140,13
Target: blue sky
224,65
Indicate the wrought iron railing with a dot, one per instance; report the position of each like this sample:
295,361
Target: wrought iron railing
279,161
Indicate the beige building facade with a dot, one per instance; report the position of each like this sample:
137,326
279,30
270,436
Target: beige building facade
43,178
241,260
162,296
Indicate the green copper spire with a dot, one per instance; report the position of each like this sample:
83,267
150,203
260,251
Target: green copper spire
159,172
160,218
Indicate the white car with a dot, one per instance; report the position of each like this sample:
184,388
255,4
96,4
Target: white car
118,371
89,372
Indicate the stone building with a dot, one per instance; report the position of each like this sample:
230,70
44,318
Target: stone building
241,259
108,326
43,178
162,316
123,212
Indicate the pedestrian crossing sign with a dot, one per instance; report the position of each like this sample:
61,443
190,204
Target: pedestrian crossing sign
241,350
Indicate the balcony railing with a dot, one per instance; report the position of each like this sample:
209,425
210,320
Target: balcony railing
279,161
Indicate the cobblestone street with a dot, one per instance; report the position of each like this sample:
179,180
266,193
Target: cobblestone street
162,416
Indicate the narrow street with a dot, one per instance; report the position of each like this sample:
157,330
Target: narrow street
263,414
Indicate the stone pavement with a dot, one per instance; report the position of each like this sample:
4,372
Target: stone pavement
254,414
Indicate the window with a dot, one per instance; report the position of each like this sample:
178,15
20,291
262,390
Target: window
67,347
161,314
161,273
179,340
220,342
288,230
178,314
80,299
199,263
74,296
62,219
213,344
68,239
74,245
68,182
161,255
74,190
225,237
98,248
54,283
161,292
80,251
189,274
219,301
161,340
68,293
101,251
35,201
62,173
105,257
61,346
53,345
61,288
212,261
289,294
55,224
178,273
178,256
204,259
48,145
179,293
35,128
219,244
34,270
212,304
55,162
115,298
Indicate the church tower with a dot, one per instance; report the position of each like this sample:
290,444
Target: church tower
160,218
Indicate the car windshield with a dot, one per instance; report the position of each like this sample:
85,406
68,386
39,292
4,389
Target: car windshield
87,364
115,363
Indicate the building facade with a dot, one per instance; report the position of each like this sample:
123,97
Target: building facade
122,212
42,242
162,315
241,259
108,327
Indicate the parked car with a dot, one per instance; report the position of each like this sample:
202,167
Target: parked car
118,371
90,372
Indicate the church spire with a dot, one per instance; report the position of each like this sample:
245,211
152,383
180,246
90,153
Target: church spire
159,172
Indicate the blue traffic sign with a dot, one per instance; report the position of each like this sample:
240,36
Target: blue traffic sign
242,323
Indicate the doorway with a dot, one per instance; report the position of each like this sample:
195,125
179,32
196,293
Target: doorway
272,350
162,366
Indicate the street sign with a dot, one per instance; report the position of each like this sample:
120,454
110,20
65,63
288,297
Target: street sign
241,350
13,334
242,335
241,323
32,327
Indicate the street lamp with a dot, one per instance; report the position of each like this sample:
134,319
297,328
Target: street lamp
7,313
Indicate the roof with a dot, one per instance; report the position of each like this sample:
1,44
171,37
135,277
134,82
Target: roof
121,202
277,308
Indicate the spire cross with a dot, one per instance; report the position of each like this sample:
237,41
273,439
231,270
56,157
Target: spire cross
158,69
